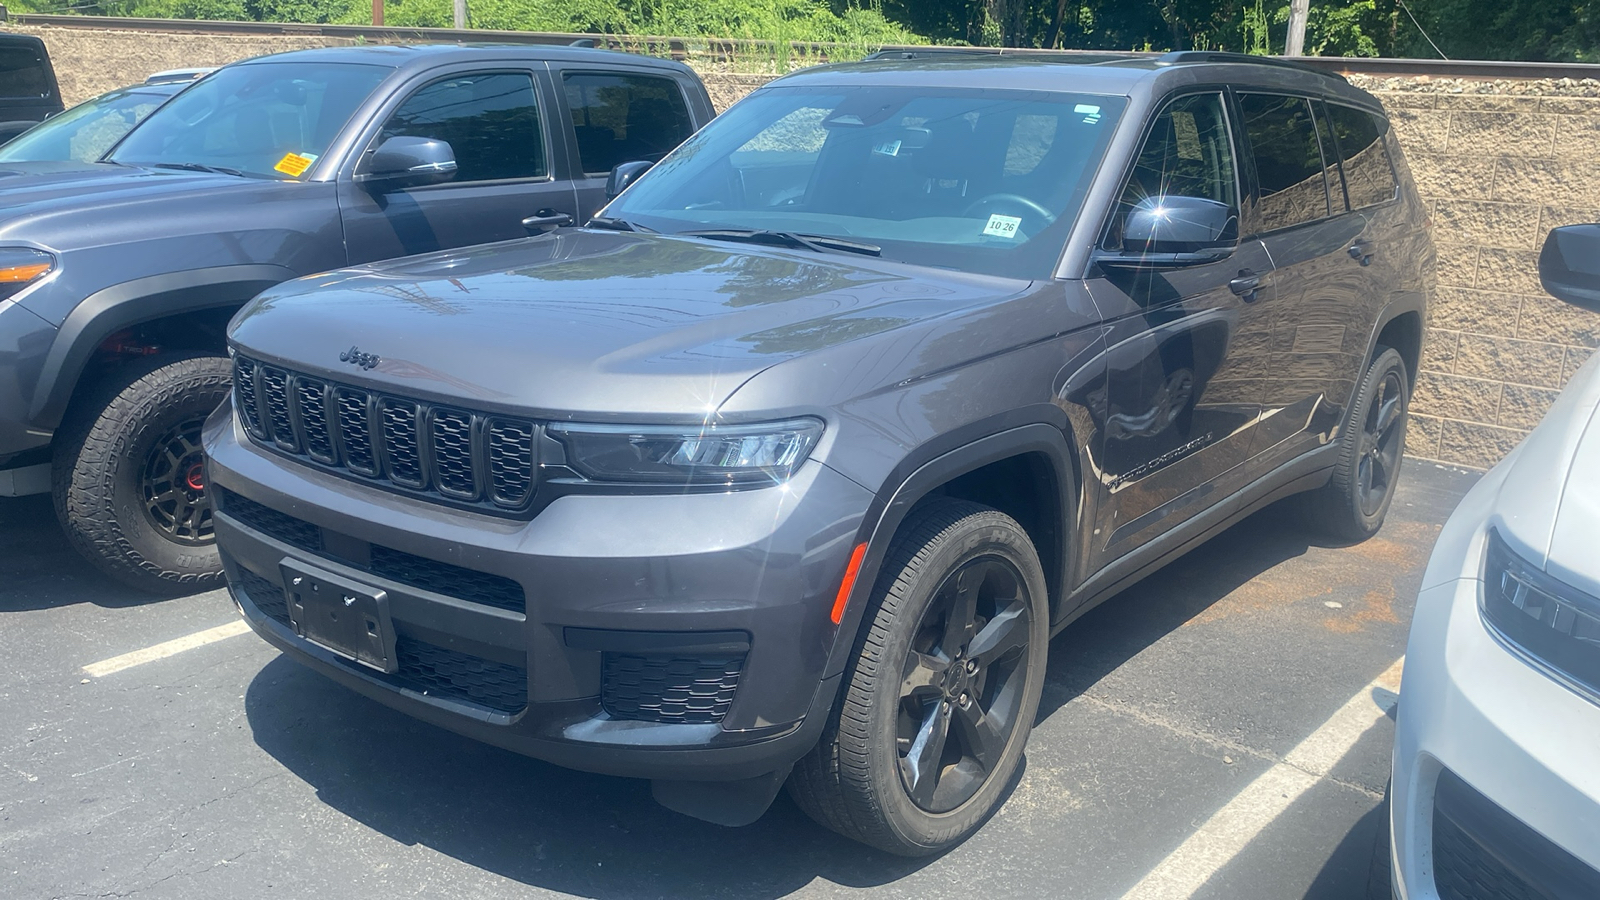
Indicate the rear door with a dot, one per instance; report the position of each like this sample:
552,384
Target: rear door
1315,316
614,117
1185,351
498,123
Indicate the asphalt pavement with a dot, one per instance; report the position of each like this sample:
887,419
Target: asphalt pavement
1177,744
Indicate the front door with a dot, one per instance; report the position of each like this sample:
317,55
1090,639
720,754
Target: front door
1185,349
499,131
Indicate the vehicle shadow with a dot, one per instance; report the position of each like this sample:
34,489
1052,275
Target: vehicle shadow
40,570
1348,872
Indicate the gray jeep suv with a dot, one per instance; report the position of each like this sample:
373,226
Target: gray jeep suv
786,468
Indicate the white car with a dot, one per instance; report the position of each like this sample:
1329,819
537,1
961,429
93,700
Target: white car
1496,788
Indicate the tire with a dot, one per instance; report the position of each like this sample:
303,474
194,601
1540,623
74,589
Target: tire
862,779
1352,506
127,482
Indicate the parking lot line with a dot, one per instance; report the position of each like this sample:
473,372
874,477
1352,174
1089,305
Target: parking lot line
166,649
1227,832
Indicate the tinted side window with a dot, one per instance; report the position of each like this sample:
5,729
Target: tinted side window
22,73
1187,154
622,118
490,121
1283,141
1368,172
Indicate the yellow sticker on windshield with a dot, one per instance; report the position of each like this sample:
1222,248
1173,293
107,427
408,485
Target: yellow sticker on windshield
294,165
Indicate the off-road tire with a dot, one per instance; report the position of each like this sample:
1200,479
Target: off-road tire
1338,509
850,782
98,471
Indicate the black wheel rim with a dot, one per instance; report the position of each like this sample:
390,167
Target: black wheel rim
1380,444
962,685
175,498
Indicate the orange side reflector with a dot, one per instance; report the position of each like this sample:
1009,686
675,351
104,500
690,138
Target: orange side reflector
850,573
14,274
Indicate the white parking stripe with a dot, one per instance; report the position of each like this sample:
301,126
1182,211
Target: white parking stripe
1232,827
164,650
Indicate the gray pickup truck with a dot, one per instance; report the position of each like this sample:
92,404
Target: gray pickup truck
118,278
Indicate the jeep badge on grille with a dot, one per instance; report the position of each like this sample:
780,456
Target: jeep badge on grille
360,358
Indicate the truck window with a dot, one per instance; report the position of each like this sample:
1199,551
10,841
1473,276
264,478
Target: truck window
1283,140
491,121
622,118
22,73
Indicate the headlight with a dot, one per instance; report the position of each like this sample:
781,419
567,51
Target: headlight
1553,623
20,267
711,454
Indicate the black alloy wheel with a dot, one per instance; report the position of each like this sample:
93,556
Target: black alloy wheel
962,684
1379,460
1353,504
174,486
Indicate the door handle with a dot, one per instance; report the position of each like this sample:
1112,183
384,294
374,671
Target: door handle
1245,285
1361,252
546,219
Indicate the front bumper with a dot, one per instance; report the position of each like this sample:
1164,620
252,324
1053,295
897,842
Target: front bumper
606,583
25,341
1496,765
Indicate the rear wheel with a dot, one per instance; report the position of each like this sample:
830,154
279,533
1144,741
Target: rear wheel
943,690
1353,504
129,476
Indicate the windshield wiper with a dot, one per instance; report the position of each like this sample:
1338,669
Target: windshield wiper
197,167
612,223
819,243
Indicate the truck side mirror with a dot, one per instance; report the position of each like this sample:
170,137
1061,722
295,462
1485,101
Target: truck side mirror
623,175
406,161
1569,265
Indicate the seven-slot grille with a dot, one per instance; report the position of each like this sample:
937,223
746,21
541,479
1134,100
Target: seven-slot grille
462,456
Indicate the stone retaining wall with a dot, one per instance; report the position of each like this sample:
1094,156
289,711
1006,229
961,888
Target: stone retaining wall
1500,163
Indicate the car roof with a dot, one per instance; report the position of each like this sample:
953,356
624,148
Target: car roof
427,56
1087,72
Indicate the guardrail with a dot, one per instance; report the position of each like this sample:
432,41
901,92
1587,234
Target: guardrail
718,49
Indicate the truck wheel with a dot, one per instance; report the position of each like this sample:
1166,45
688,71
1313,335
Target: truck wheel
1352,505
128,476
943,689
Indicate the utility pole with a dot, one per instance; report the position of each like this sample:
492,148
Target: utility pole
377,12
1298,11
461,13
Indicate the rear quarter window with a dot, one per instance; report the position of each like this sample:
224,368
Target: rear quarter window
1368,171
22,74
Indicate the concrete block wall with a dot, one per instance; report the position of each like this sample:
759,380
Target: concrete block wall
1499,164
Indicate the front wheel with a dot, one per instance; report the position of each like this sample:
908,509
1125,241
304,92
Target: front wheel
943,690
129,476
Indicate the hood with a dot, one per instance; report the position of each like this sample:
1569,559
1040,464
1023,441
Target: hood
592,324
37,189
1548,508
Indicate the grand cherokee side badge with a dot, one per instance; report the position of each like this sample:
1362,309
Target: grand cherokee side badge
360,358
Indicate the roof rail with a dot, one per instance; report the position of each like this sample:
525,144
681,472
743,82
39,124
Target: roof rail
1178,57
1063,57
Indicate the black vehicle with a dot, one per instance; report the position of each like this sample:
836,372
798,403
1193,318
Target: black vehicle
787,467
28,91
117,278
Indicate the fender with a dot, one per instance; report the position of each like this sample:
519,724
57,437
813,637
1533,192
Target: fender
1401,302
141,300
910,483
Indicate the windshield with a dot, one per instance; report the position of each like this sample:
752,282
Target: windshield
981,181
267,120
86,131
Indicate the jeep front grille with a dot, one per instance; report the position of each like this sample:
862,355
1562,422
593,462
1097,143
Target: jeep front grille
459,456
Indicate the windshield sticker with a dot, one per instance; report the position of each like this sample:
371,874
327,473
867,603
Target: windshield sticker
295,164
1090,113
888,148
1002,226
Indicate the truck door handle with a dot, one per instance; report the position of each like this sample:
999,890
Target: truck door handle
546,219
1245,285
1361,252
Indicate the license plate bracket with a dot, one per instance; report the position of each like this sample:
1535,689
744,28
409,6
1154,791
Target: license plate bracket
341,615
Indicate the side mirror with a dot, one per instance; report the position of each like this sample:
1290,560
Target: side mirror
623,175
1569,265
407,161
1176,225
